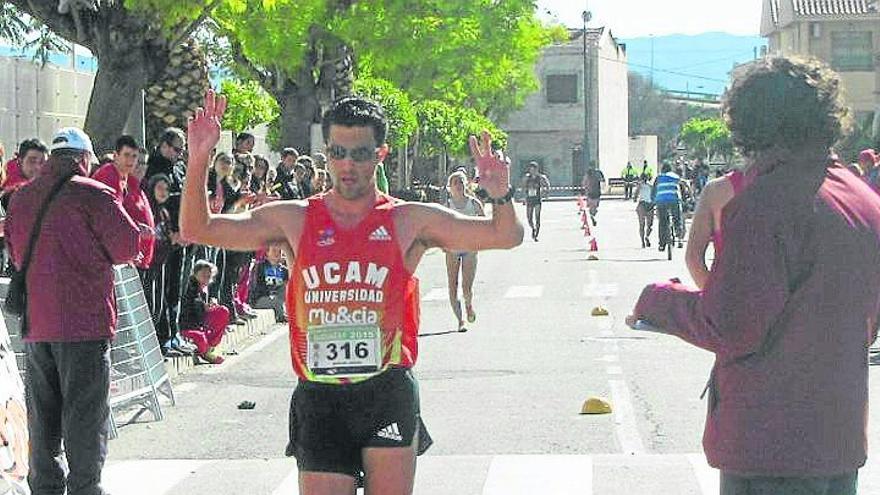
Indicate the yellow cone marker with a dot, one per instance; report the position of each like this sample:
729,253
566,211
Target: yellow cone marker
596,405
599,311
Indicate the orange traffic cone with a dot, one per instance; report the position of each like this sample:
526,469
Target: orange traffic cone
594,246
586,227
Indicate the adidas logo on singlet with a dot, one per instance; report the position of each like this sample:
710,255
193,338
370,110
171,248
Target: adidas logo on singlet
390,432
380,234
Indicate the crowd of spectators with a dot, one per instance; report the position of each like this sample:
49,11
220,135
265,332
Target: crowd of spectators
195,293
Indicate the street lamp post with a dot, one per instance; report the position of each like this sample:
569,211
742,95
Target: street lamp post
586,16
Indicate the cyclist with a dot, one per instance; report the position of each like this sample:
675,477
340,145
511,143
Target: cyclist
667,198
535,185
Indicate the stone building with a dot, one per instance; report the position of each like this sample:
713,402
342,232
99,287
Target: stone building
845,34
549,129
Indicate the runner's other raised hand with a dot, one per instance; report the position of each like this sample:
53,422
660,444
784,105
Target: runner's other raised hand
203,129
492,168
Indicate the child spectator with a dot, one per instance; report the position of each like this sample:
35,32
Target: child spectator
269,284
203,320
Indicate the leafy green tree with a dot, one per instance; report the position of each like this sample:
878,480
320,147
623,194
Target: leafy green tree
445,129
479,54
132,40
248,105
399,110
706,137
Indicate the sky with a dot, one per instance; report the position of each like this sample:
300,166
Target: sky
636,18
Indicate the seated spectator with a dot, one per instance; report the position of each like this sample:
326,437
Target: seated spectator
203,320
269,284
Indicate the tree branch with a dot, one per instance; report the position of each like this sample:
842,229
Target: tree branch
264,77
182,32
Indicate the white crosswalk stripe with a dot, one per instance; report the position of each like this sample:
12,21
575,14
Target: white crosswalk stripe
602,474
438,294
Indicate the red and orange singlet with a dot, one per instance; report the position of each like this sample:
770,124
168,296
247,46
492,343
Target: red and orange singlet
354,306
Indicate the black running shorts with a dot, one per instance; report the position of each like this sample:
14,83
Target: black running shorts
331,424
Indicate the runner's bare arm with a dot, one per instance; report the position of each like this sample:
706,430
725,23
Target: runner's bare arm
437,226
250,230
701,234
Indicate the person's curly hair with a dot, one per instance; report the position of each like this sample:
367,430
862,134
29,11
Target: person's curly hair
786,103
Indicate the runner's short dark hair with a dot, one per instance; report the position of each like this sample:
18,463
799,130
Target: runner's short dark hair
353,111
31,145
126,141
787,103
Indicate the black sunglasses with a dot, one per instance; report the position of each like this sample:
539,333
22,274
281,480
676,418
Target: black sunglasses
362,154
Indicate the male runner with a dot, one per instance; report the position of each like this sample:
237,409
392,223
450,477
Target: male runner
593,180
352,298
535,184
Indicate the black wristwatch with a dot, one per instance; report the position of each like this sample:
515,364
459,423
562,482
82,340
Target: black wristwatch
484,195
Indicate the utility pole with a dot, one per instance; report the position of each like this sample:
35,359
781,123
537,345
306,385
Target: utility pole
588,79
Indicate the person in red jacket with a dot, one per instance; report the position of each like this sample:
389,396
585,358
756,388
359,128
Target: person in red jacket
791,305
119,174
71,313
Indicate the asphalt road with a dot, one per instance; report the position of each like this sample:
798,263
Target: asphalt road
501,401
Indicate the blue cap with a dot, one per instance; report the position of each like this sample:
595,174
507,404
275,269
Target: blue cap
71,138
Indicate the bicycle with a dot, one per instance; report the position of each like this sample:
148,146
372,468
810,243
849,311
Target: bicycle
670,232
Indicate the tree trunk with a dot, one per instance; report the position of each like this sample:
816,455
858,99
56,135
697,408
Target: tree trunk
299,110
117,87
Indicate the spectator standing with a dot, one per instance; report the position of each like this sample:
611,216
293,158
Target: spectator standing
868,160
71,313
26,164
791,306
155,278
244,144
304,172
285,184
119,175
630,179
165,157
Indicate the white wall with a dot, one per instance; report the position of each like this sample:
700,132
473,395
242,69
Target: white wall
644,148
613,107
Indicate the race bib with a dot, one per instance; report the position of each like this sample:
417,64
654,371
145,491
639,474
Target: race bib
344,351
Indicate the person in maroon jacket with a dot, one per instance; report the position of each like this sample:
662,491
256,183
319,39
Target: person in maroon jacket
71,313
792,304
119,174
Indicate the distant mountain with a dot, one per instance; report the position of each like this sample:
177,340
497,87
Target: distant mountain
699,63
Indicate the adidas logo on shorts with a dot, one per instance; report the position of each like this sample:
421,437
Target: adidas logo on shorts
380,234
390,432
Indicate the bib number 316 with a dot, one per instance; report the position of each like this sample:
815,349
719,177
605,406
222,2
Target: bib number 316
344,351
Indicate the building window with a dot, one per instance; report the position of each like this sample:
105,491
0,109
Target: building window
562,89
852,51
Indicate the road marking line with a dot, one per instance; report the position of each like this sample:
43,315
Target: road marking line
290,485
435,295
614,370
625,419
606,333
609,358
243,355
707,476
524,292
544,474
164,475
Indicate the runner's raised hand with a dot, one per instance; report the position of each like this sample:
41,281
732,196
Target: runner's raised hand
492,168
203,129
